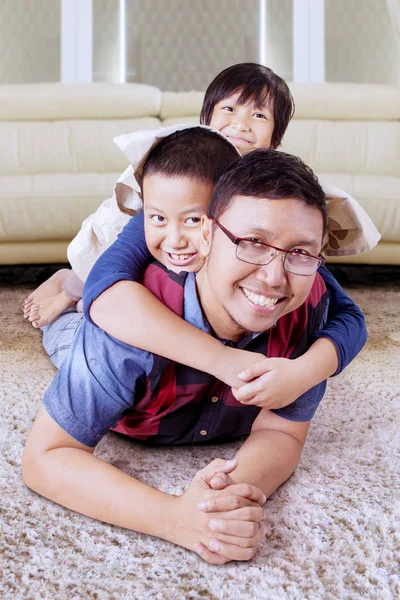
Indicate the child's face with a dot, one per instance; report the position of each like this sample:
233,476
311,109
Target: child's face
247,126
172,214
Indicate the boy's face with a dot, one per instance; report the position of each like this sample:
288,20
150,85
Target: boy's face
173,207
247,126
238,297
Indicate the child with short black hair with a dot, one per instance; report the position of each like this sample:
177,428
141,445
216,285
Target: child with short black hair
211,155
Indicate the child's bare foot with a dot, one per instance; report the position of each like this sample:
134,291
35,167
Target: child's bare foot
48,310
48,289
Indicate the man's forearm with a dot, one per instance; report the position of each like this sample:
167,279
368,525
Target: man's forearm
86,484
267,459
62,469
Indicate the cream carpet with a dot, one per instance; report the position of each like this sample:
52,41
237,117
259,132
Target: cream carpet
332,529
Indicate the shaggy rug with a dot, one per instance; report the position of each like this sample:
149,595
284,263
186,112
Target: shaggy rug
332,531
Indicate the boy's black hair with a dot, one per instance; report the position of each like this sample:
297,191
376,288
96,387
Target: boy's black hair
195,152
257,83
268,173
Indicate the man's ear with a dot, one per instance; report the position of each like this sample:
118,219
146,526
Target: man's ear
205,235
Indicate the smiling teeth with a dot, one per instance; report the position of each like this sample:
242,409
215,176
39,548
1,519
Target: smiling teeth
180,256
260,300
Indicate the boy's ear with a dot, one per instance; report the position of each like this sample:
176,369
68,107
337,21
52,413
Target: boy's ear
205,235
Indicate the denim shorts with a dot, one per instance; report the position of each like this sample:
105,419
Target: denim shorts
58,336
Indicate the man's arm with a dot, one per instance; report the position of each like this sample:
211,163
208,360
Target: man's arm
62,469
266,460
271,452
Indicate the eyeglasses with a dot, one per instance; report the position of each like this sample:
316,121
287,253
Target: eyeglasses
257,253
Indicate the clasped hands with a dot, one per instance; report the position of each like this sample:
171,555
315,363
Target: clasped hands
219,519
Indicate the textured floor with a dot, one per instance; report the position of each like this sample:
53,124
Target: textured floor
332,529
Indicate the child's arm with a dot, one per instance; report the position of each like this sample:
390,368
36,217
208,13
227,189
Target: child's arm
125,309
276,382
346,327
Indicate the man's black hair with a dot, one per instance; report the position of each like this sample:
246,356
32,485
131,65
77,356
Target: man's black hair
271,174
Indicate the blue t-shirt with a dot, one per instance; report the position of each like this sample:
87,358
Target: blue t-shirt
127,258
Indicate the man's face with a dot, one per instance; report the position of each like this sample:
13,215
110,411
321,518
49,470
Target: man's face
238,297
247,126
173,207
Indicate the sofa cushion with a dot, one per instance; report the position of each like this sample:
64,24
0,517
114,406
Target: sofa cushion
51,101
348,147
181,120
181,104
50,207
77,146
346,101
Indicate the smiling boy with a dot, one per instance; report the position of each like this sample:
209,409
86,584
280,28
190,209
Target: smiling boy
258,290
176,189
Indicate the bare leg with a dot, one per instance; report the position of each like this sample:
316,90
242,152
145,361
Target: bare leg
48,289
45,312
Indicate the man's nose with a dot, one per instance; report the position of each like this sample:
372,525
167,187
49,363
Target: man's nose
273,273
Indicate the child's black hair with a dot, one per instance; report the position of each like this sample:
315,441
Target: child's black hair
195,152
257,83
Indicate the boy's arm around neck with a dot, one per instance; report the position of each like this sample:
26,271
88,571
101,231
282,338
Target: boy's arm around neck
345,327
130,313
116,302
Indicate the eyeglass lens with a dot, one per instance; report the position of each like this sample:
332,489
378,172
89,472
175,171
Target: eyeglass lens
259,254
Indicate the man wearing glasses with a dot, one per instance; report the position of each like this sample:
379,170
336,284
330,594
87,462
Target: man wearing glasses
258,290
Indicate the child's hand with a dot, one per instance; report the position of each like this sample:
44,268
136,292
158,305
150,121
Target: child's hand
234,361
272,383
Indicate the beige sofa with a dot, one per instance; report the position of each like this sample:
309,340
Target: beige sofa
58,161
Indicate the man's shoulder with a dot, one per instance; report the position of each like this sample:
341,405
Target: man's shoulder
318,291
167,286
290,336
157,272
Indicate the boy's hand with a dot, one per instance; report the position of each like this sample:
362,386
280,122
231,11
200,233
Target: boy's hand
224,535
272,383
232,362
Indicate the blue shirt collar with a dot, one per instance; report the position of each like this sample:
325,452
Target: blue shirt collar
193,313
